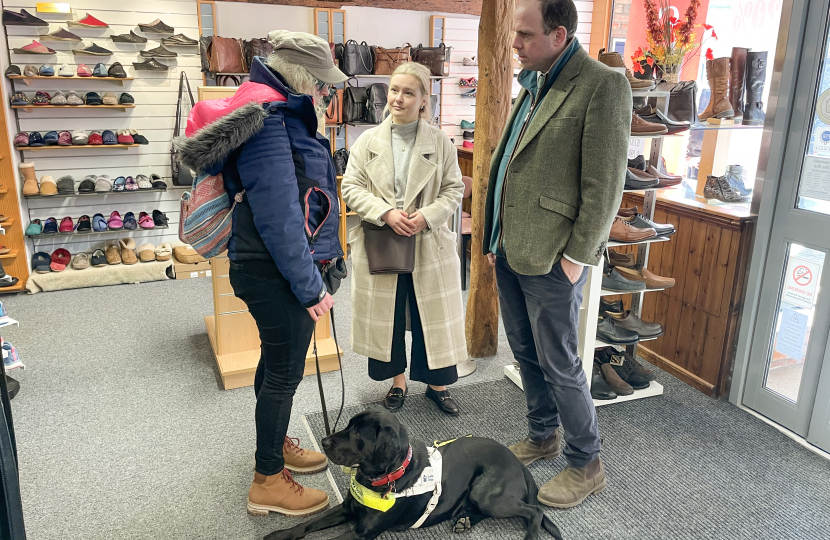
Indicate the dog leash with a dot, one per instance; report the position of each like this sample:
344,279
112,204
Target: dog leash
320,378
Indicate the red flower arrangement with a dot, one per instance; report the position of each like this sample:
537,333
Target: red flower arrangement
670,40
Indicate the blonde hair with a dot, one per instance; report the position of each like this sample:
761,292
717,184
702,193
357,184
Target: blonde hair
422,74
299,78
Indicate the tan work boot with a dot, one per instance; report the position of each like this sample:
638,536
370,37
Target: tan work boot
300,460
30,184
528,451
615,60
573,485
280,493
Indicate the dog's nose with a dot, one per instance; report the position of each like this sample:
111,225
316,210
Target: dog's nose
327,443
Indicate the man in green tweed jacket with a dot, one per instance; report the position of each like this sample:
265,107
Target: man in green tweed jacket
556,181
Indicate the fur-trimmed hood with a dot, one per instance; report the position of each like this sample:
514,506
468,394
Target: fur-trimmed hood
210,147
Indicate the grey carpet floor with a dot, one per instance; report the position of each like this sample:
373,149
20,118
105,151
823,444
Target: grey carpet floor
125,433
679,466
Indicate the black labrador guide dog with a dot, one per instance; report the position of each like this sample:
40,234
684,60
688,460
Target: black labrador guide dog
480,478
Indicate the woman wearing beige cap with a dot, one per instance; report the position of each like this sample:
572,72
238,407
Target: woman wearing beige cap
264,142
404,175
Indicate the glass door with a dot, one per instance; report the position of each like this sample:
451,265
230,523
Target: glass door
789,370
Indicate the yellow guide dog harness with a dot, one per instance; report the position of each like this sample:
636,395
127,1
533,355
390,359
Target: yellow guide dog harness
430,481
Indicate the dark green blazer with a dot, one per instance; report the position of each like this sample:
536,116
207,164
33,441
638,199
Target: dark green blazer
565,182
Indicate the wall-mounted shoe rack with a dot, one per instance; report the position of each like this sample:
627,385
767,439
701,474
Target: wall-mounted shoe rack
593,291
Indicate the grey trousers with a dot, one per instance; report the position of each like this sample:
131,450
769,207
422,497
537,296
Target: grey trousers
541,318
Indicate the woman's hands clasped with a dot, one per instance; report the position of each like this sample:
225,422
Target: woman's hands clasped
405,224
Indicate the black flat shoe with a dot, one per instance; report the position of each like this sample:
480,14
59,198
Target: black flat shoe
395,398
444,401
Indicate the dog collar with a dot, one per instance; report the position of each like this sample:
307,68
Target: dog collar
394,475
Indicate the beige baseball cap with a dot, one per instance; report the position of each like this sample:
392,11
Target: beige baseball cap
309,51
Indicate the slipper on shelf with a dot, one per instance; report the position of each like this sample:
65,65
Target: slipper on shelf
128,255
164,252
147,252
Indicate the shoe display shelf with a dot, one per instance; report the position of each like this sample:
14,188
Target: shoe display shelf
717,137
96,194
108,231
30,108
75,147
27,79
592,292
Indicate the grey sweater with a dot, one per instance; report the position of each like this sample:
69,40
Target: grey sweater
403,140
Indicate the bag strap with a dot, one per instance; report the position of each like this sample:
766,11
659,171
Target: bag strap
182,81
333,109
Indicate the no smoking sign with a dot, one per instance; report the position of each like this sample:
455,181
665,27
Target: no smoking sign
802,275
801,283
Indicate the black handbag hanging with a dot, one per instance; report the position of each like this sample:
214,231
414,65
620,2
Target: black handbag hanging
355,99
182,175
376,102
341,160
358,59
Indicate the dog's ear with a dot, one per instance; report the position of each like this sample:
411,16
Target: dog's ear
391,447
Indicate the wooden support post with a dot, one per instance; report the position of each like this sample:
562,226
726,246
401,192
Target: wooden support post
495,80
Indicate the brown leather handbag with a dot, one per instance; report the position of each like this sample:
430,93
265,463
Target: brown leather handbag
387,251
437,59
334,113
226,55
387,60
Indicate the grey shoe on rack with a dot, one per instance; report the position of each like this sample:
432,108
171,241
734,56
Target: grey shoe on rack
613,281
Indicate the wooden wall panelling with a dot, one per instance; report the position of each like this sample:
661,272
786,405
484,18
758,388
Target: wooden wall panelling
467,7
155,95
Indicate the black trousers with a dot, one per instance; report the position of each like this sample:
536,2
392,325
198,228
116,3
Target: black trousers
285,330
418,369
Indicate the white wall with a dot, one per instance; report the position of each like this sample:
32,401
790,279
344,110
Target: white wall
247,21
155,96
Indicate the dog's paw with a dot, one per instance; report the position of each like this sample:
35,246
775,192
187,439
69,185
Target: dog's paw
462,525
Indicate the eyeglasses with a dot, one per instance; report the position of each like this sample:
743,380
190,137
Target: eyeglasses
321,85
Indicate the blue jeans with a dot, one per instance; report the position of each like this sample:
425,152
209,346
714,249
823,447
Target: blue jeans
541,318
285,330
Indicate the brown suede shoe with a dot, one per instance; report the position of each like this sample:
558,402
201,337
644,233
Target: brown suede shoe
573,485
618,259
301,460
652,280
528,451
280,493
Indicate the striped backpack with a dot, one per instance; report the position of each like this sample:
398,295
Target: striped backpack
206,212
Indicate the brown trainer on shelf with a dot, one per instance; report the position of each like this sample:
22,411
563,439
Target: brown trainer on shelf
280,493
30,184
621,231
652,280
641,127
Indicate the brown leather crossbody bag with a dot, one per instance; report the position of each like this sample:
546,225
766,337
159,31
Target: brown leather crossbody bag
388,252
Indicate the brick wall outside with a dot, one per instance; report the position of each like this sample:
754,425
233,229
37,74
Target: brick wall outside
619,20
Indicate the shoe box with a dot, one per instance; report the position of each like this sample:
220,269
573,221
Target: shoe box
191,271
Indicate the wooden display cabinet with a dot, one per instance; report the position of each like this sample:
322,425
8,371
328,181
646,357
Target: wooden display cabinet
15,262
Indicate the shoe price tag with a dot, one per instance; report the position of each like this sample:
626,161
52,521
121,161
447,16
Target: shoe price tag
636,147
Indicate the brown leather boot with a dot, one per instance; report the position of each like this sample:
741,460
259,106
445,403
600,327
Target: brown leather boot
30,184
301,460
719,85
280,493
573,485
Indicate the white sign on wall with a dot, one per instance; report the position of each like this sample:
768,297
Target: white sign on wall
815,178
801,282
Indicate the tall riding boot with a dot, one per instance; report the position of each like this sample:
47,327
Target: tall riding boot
737,72
721,107
708,111
756,76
